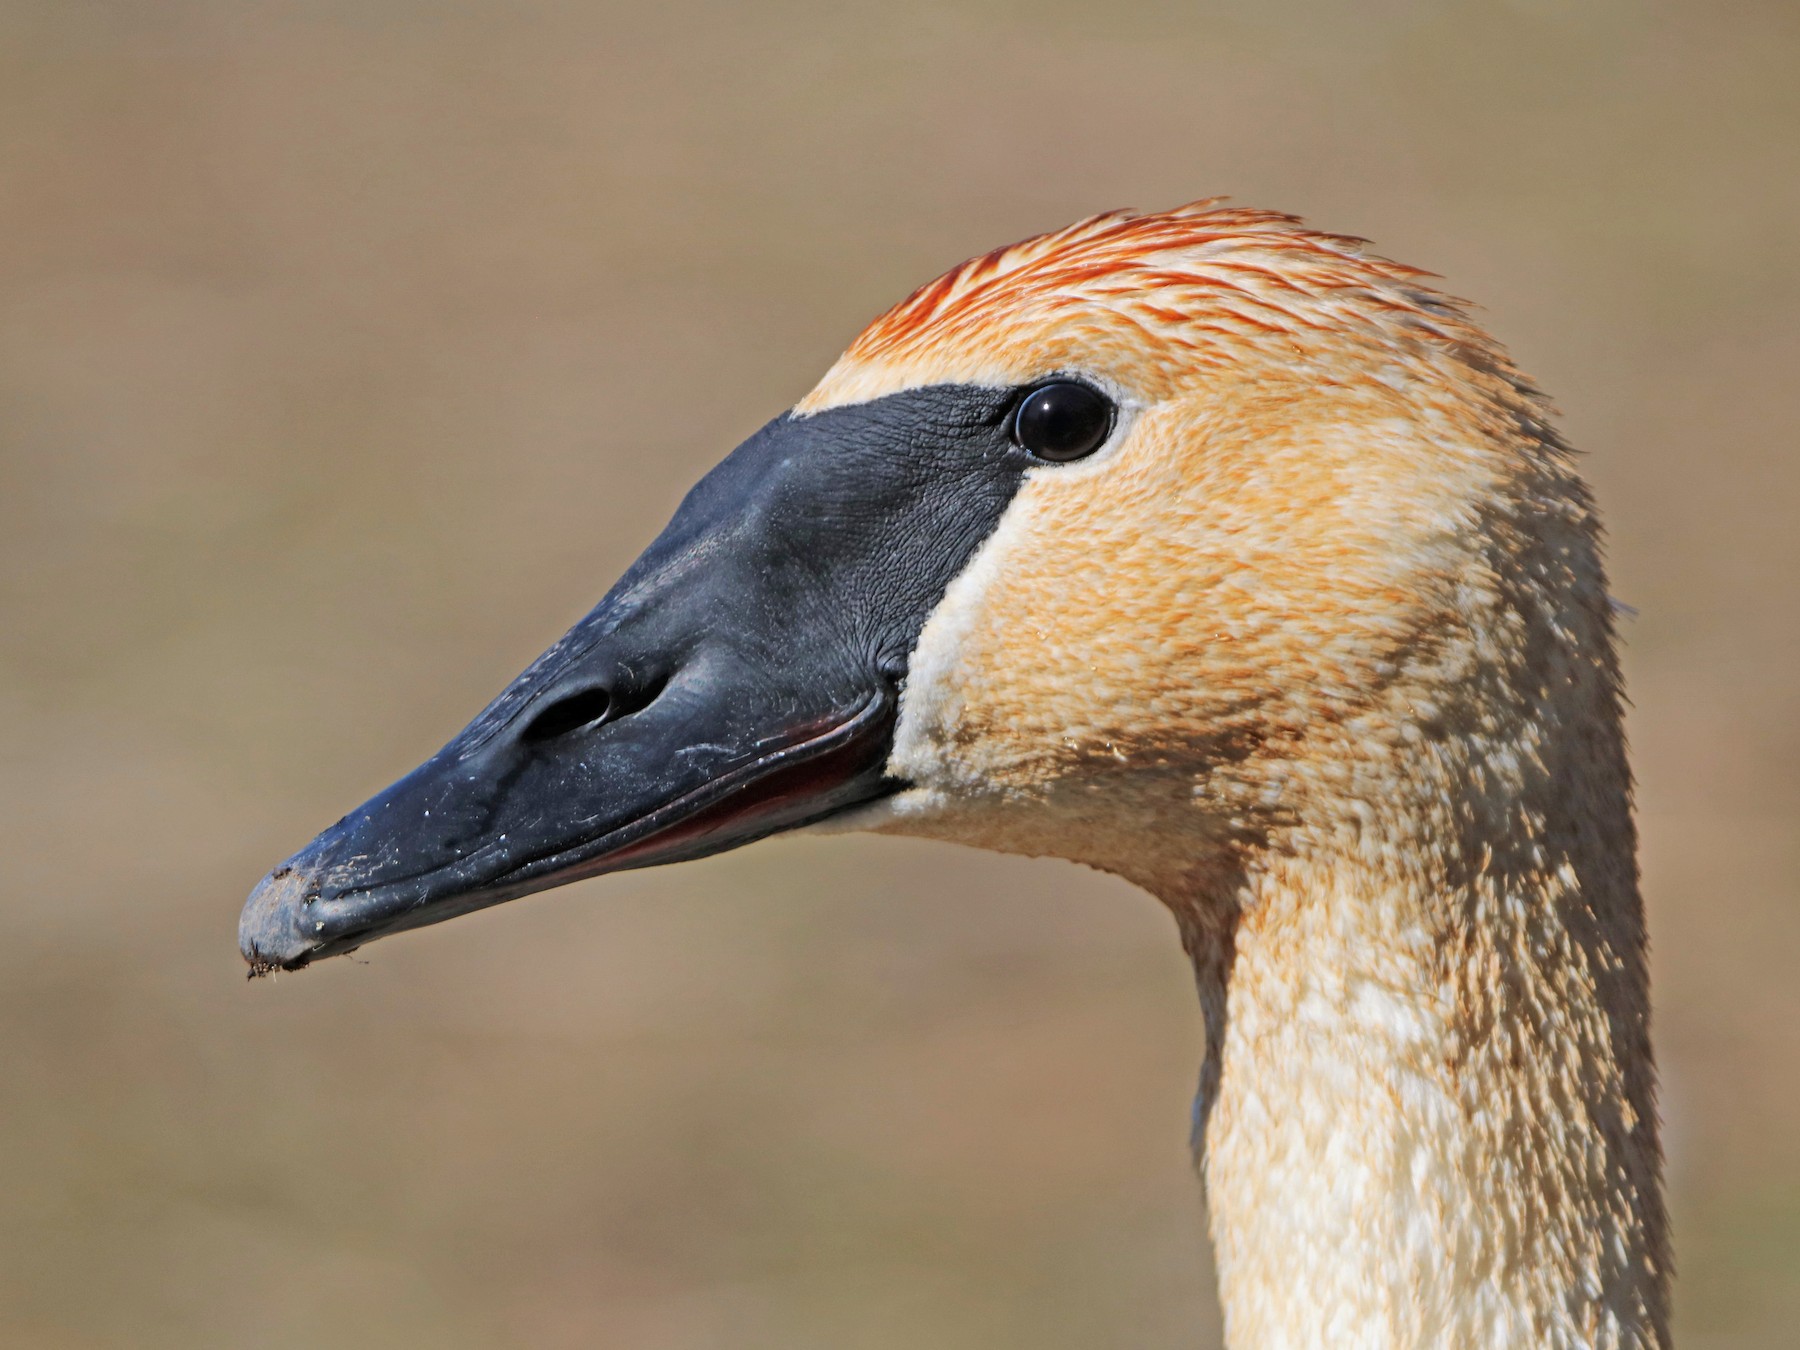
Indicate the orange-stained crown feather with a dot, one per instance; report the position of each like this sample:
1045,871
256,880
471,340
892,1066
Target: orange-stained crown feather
1155,264
1193,287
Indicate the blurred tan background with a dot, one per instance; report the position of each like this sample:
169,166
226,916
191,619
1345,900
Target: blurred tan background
350,348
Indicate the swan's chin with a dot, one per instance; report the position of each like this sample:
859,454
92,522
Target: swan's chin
905,812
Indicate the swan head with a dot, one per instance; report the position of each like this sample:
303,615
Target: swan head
1136,543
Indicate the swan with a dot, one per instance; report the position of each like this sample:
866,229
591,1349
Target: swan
1216,552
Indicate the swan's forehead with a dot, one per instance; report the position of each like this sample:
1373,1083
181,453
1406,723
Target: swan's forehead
1005,337
1024,345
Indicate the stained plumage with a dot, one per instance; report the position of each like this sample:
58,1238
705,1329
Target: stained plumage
1308,636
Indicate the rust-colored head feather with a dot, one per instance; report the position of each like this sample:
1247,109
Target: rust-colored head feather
1167,292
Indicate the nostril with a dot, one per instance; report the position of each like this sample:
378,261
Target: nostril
567,714
587,708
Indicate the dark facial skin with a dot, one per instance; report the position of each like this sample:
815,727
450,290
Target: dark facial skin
741,678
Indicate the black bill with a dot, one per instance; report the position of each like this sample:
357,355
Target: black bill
742,678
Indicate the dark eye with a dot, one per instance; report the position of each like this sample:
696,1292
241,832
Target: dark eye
1062,421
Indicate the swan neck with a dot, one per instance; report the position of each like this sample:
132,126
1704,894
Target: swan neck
1427,1112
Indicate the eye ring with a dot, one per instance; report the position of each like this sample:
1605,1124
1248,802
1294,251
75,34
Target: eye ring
1062,420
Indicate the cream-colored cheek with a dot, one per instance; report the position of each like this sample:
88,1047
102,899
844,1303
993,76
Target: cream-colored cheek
1004,688
933,747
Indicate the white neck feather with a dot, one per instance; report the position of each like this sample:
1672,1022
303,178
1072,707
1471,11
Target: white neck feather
1426,1116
